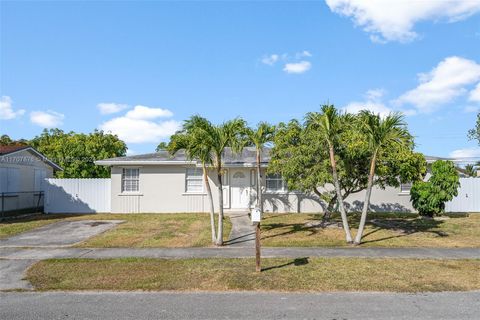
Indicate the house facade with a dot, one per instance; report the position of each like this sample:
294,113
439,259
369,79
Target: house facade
162,183
22,177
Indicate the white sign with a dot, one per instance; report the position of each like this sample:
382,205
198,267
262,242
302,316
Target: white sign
256,215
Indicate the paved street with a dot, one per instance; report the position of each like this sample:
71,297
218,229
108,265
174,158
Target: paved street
138,305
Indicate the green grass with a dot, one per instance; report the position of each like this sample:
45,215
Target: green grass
305,275
392,230
138,230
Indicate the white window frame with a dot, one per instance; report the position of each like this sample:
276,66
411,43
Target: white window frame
130,178
194,177
277,178
406,187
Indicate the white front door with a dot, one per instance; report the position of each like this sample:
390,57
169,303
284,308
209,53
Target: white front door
239,189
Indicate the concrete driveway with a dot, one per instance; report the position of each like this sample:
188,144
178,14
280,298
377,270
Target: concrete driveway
60,234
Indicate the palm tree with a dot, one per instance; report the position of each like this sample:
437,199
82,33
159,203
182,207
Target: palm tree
214,139
228,134
190,139
259,137
328,124
471,170
380,133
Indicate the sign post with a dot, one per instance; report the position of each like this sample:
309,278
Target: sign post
256,217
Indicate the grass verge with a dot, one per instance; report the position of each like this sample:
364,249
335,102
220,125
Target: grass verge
138,230
382,230
304,275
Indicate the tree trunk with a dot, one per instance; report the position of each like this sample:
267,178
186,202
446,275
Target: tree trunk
210,201
220,204
366,203
343,213
259,184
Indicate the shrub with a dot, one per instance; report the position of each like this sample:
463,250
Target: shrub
429,197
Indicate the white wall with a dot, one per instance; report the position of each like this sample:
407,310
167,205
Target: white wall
77,195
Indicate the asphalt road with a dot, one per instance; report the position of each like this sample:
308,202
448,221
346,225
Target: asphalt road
247,305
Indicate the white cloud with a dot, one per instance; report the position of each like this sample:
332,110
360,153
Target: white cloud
373,102
270,59
297,67
6,109
303,54
110,107
445,82
47,119
137,125
475,94
465,153
145,113
394,20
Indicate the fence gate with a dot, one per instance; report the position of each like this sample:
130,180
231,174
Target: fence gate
468,199
77,195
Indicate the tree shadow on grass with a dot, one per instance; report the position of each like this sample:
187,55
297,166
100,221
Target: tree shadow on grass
296,262
401,224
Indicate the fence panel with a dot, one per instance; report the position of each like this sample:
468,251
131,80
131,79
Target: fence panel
77,195
468,199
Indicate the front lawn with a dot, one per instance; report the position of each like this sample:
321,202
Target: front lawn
382,230
307,275
138,230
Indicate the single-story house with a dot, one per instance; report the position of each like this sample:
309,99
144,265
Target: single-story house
159,182
22,177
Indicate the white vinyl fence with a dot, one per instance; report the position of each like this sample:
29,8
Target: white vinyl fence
468,199
77,195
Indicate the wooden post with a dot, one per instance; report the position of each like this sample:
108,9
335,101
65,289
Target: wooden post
258,267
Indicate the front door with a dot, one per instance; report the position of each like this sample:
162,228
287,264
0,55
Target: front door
239,189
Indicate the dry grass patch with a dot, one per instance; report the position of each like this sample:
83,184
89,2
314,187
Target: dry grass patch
382,230
307,275
138,230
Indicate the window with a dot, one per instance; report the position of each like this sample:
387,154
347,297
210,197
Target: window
275,183
253,178
130,180
9,180
405,187
194,181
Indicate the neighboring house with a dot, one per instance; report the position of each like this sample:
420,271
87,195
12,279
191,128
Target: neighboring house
22,177
160,182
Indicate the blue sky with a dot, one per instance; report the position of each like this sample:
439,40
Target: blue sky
139,68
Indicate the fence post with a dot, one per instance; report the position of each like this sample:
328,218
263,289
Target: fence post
3,204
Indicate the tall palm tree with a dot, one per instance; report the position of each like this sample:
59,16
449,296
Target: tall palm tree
329,125
380,133
215,139
227,134
259,137
190,138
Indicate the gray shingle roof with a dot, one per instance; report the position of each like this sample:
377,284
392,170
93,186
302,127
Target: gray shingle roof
247,156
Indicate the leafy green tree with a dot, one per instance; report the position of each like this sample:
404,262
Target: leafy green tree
329,126
5,140
190,139
162,146
471,170
474,134
301,156
429,197
76,152
381,133
259,137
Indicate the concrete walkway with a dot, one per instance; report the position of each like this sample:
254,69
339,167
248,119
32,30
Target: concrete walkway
243,233
237,252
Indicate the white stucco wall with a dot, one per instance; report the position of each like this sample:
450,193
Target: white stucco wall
162,190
